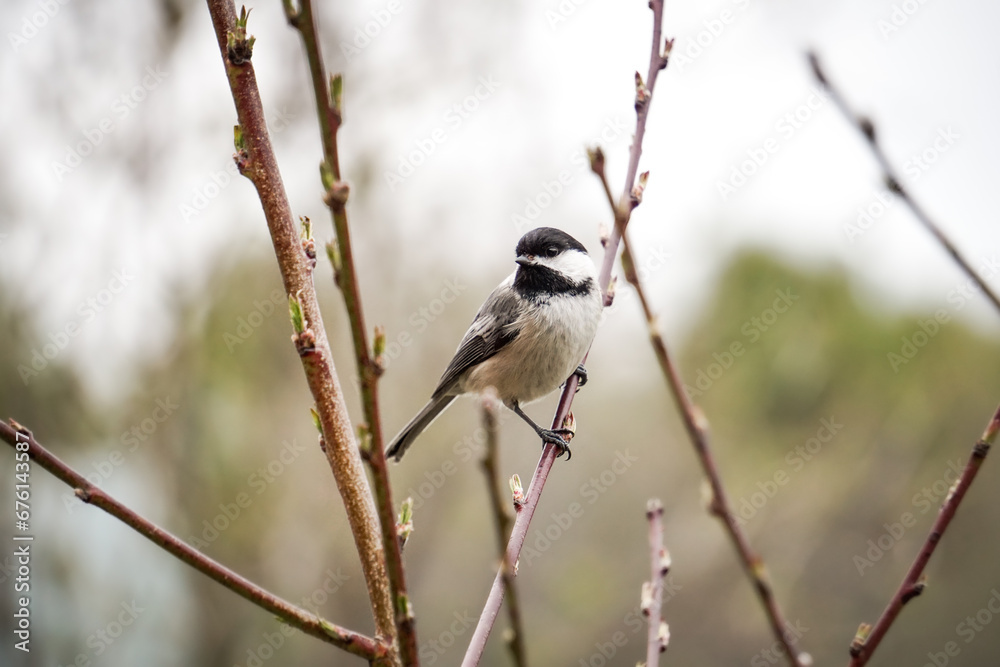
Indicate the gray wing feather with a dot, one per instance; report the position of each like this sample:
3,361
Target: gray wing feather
496,324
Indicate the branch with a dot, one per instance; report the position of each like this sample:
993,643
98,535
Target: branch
358,644
644,93
866,127
868,638
652,591
256,160
369,368
697,427
515,637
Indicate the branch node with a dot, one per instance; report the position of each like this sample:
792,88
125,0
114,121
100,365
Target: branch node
239,47
333,254
914,590
980,449
308,242
860,638
867,128
517,492
20,428
336,195
292,13
404,524
636,195
596,156
642,94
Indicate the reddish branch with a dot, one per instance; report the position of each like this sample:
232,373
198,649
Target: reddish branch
868,637
358,644
652,593
329,113
256,160
867,128
502,522
644,92
696,425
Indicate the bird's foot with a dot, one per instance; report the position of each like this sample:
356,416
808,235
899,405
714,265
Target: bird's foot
554,437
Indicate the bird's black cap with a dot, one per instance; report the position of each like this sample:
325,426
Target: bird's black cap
538,242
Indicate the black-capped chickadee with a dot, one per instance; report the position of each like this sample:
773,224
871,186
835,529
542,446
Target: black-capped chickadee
527,338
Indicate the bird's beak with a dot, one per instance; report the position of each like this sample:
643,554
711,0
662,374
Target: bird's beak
525,260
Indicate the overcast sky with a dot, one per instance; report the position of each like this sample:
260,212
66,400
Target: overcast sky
463,123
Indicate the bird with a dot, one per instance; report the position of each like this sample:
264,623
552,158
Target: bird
528,337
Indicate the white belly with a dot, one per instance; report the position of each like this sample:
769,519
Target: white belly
546,351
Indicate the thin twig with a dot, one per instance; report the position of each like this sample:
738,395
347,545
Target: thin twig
256,160
515,635
657,61
353,642
867,128
369,369
868,637
652,596
697,427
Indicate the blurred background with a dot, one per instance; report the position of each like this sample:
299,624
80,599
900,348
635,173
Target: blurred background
145,340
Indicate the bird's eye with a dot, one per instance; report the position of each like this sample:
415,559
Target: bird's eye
552,251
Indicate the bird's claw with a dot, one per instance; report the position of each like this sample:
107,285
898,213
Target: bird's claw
581,373
552,436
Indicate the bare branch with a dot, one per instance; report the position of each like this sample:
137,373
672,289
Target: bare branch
515,636
696,425
868,637
369,368
255,159
658,61
366,647
652,592
867,129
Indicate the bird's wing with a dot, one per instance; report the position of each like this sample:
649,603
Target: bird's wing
496,324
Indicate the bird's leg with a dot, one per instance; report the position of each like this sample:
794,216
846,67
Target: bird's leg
546,434
581,373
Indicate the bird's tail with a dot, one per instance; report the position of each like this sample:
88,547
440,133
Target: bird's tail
402,442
